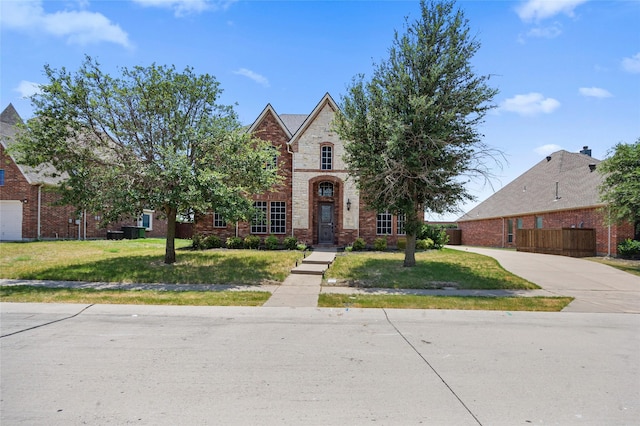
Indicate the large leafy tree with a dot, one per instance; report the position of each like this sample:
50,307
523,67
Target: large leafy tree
620,188
153,138
412,129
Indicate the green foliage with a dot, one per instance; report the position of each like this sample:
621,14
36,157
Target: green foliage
151,138
359,244
380,244
621,186
251,242
271,242
629,248
301,247
200,242
436,234
290,243
424,244
402,243
234,243
412,129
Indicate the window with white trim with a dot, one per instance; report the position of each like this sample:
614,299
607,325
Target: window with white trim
146,220
401,220
273,161
383,223
326,157
219,221
278,217
259,222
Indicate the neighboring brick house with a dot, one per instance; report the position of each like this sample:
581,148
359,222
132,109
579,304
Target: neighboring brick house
28,196
561,191
317,202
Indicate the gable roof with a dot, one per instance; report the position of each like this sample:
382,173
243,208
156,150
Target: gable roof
561,181
326,100
293,121
269,110
9,121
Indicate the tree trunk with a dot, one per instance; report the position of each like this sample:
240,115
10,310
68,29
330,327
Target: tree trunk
170,251
410,251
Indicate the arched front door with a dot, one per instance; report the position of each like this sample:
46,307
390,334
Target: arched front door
325,223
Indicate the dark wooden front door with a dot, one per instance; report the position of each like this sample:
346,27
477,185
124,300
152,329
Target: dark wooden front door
325,224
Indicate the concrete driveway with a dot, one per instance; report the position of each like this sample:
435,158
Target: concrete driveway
152,365
596,287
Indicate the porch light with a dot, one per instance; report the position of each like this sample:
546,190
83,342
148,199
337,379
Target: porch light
348,204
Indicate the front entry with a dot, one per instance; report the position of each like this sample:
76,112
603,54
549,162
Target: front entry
325,224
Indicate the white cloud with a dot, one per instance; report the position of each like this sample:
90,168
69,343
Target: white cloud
632,64
530,104
77,27
27,88
253,76
537,10
595,92
187,7
547,149
551,31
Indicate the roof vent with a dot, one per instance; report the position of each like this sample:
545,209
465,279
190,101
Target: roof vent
592,167
548,158
586,151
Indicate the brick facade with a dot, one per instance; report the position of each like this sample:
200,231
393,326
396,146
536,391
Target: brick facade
494,232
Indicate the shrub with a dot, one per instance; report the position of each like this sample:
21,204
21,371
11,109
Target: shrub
196,242
291,243
402,243
251,242
359,244
271,242
212,241
234,243
348,249
380,244
629,248
434,233
425,244
301,247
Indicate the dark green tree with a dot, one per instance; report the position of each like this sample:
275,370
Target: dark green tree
620,188
411,130
153,138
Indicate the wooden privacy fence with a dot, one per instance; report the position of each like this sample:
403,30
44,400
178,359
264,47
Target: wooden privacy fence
574,242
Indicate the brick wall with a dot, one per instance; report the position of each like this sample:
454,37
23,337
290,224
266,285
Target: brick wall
494,232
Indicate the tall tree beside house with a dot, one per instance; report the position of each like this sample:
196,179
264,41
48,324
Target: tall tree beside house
411,130
152,138
620,188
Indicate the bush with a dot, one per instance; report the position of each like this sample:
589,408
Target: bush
291,243
402,243
380,244
434,233
629,248
301,247
251,242
425,244
271,242
212,241
359,244
196,242
234,243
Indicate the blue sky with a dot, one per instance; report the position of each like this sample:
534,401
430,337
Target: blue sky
568,71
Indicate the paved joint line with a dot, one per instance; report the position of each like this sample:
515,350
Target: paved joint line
48,323
431,367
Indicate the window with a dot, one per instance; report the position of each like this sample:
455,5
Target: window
273,161
401,220
519,223
325,189
383,224
219,221
538,222
278,217
509,230
1,177
259,222
326,157
146,220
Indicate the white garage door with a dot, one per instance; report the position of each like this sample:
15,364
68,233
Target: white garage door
10,220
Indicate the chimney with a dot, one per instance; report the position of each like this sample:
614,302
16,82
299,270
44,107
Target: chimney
586,151
592,167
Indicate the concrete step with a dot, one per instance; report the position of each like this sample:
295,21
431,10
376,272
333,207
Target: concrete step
308,261
310,269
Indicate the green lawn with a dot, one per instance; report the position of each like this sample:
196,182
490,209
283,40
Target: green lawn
542,304
141,261
434,269
626,265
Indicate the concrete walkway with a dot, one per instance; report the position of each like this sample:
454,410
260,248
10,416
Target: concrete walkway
302,287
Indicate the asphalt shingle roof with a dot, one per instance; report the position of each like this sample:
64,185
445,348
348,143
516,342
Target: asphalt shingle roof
535,190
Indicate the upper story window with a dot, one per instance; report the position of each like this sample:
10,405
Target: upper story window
1,177
326,157
273,161
325,189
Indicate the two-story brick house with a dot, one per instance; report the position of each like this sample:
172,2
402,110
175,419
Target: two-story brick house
317,202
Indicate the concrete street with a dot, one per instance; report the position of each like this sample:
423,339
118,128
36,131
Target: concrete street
152,365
